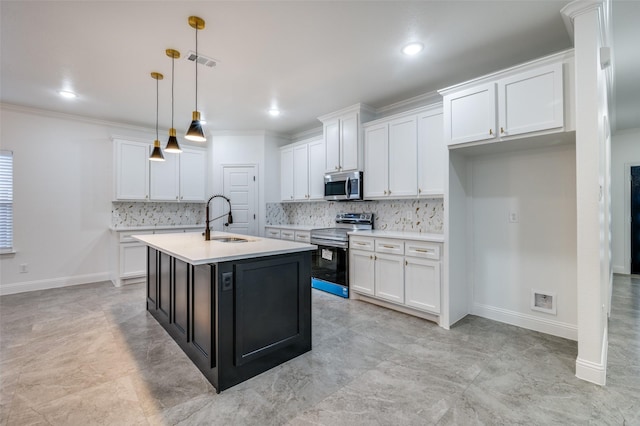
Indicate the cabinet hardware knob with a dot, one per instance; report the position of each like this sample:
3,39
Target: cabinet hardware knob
406,263
385,192
419,191
389,192
501,130
491,131
176,197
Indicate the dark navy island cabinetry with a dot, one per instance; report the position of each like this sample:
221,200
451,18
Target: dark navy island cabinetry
234,318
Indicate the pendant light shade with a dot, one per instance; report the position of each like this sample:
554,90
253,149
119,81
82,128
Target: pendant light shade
172,144
156,154
195,132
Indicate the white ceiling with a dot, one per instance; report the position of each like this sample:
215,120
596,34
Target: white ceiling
307,58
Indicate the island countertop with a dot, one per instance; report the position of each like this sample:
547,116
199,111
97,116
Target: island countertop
192,248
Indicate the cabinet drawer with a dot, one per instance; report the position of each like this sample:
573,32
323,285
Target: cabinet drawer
304,236
272,233
361,243
389,246
422,249
287,235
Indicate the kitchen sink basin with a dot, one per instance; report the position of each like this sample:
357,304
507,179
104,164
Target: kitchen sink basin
230,239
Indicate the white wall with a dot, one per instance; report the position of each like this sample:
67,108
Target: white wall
62,200
625,151
538,252
248,148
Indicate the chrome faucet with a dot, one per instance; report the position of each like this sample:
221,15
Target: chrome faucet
207,231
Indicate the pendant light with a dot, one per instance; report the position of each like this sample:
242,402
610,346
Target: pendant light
195,132
172,144
156,154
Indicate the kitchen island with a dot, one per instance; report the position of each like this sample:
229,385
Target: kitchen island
236,305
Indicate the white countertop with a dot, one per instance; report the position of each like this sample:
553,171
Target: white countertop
192,248
402,235
153,227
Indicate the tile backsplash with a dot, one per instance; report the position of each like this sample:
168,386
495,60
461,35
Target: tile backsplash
125,214
423,215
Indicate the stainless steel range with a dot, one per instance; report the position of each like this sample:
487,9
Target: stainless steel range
330,265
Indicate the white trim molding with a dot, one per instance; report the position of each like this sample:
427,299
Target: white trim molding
594,372
530,322
25,286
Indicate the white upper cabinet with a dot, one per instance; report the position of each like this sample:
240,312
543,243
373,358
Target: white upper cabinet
316,169
376,162
350,142
403,161
527,100
165,179
193,172
470,115
531,101
343,140
302,171
405,155
286,174
432,154
181,177
131,170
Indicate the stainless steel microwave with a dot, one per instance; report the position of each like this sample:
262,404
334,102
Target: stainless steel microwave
343,186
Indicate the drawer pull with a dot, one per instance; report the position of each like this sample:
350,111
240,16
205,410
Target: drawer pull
388,246
424,250
361,243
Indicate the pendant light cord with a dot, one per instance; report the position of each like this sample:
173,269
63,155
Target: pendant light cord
173,61
157,108
197,67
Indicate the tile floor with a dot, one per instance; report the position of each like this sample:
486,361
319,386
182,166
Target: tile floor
91,355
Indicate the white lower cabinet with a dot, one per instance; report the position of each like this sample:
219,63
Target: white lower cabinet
129,258
404,272
389,277
361,266
272,233
422,284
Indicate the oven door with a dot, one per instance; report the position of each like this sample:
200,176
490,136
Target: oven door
330,270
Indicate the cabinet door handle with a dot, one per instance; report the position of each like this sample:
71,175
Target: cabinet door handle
385,192
176,197
491,131
406,263
389,192
502,130
419,191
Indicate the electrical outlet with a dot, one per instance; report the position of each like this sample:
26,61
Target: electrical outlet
514,217
24,268
543,302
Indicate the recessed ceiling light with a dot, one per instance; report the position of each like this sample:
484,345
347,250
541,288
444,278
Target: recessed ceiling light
67,94
274,112
412,48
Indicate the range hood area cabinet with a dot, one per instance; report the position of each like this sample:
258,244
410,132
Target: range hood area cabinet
342,132
302,171
181,177
532,99
405,155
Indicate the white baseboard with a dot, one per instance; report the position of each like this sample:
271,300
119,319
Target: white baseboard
617,269
531,322
595,372
22,287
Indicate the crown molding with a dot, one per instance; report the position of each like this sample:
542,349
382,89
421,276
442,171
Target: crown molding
424,99
307,134
73,117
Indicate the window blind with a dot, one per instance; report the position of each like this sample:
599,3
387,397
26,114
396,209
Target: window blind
6,201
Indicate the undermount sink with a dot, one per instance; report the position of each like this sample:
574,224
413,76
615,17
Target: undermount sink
230,239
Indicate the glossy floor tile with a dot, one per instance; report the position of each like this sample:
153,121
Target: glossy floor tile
92,355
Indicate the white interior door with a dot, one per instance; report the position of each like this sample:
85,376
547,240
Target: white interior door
239,184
